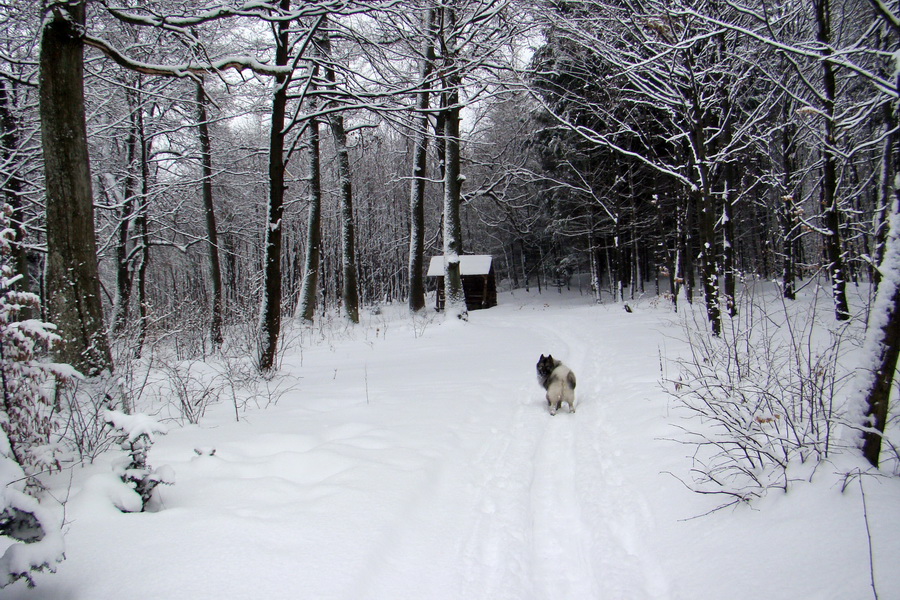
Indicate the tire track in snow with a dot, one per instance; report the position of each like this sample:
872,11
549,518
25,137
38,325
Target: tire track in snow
529,538
494,551
588,520
561,547
548,511
617,513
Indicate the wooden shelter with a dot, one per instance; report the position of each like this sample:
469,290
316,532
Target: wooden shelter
479,282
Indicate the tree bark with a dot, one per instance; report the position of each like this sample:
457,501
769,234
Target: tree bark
143,235
706,204
883,331
708,263
729,198
417,182
350,287
9,145
830,211
687,256
73,283
883,337
886,170
270,317
212,234
786,203
309,288
453,247
124,273
707,220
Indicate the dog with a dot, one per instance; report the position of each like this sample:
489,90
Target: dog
558,380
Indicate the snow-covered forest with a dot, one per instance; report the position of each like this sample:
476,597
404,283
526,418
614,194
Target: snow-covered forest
214,312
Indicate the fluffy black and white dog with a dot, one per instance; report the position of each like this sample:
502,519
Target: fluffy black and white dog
558,380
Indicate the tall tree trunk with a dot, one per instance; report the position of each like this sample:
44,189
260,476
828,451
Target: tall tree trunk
787,206
687,254
309,287
883,338
270,315
124,273
143,235
9,146
616,258
593,257
678,260
453,289
454,294
73,282
418,180
212,233
885,195
883,330
350,290
706,209
729,198
708,256
729,269
831,216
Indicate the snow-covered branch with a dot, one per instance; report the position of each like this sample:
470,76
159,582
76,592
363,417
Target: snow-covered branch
237,63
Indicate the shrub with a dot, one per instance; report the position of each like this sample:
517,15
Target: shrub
762,398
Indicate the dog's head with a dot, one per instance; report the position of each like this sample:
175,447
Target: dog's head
545,366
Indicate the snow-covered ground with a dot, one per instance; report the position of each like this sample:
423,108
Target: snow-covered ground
419,461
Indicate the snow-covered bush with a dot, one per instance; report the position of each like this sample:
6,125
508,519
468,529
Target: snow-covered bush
27,403
193,387
762,397
85,402
39,542
28,420
135,436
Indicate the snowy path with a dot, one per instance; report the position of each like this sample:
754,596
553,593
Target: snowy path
540,509
421,463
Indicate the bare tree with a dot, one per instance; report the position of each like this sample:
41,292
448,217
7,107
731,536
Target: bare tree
420,163
270,314
831,214
350,291
883,332
309,289
14,184
455,305
72,277
212,232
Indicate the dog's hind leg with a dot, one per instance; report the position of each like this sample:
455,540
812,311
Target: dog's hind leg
553,405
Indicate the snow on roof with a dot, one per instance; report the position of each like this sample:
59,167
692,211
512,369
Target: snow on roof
469,264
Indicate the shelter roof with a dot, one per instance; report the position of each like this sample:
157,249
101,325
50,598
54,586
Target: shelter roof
469,264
